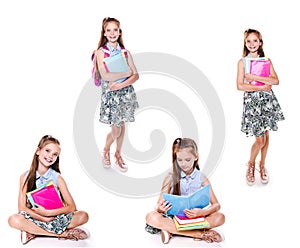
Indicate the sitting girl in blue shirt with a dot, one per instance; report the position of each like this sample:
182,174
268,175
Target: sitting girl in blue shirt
185,180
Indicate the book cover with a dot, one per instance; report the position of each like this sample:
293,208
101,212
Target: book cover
198,225
116,63
258,66
199,199
185,220
46,196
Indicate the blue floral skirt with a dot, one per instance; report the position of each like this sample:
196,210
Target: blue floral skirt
261,112
58,225
117,106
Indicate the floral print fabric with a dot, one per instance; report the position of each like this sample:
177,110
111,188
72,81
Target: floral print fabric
261,112
117,106
58,225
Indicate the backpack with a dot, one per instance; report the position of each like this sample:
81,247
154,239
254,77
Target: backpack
95,72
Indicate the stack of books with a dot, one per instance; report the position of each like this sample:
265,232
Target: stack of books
184,223
259,66
46,196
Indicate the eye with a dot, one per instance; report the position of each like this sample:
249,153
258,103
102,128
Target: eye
47,150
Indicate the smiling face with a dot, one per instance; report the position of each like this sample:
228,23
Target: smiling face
185,160
48,154
112,32
252,43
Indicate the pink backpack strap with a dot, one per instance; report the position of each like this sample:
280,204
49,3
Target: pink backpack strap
123,49
106,51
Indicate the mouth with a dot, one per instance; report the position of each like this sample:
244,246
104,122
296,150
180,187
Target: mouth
48,160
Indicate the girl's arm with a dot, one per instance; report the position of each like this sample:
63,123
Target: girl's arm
68,200
22,200
162,205
271,80
109,76
213,207
130,80
248,87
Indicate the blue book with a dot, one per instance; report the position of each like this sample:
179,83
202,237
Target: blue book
199,199
116,63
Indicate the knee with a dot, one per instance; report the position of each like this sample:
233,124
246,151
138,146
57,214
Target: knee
152,218
83,217
220,219
116,132
260,142
15,221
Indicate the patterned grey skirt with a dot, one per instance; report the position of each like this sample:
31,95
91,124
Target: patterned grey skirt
117,106
58,225
261,112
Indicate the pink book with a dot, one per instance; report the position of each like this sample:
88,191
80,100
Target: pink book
46,196
185,220
259,68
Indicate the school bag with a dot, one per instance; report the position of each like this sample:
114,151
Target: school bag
95,72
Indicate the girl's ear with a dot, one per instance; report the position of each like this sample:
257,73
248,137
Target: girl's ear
197,157
37,151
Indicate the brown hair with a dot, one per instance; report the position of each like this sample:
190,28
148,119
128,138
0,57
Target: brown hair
260,51
179,144
31,177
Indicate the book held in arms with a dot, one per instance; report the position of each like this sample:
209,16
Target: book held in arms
199,199
116,63
46,196
259,66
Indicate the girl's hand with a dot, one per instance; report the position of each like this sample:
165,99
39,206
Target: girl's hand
113,86
193,213
47,219
248,77
40,210
163,206
266,87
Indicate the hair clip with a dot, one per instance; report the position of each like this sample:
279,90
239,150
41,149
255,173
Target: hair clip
105,19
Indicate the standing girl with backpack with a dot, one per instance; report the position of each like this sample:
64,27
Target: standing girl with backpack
118,99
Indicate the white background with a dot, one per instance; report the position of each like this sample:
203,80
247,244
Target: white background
45,62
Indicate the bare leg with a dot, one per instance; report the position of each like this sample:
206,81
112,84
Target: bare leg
256,148
155,219
19,222
264,176
110,138
120,139
264,149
